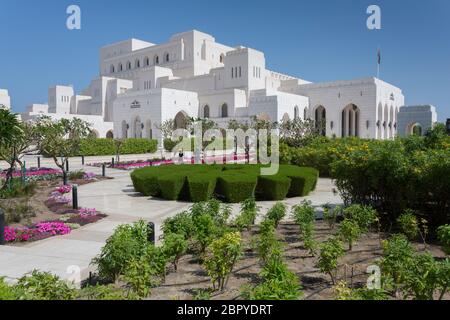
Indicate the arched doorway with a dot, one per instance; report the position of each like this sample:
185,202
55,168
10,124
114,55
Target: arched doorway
414,129
296,113
391,122
181,120
206,112
137,127
224,111
110,134
380,121
386,122
320,118
350,121
124,130
305,113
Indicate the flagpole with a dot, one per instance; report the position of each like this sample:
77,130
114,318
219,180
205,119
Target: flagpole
378,62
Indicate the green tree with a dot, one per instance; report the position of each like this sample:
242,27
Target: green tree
61,139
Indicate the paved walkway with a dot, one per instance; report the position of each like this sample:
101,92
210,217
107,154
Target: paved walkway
116,198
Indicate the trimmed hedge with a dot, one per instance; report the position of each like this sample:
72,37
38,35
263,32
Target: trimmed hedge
232,183
105,147
273,187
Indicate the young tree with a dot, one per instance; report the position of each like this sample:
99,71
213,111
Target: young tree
297,133
61,139
118,143
14,142
221,257
330,251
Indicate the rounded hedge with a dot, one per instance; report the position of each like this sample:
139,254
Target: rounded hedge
231,183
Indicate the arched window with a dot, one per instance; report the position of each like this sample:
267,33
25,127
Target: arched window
146,61
111,69
166,57
128,65
296,114
156,60
350,121
181,120
206,111
380,121
224,111
120,67
320,118
221,58
137,64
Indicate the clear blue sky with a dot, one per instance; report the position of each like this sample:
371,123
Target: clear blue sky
317,40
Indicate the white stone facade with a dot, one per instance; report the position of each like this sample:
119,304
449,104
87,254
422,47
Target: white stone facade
142,84
416,120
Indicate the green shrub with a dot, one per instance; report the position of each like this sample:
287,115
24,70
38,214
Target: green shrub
237,187
233,182
174,246
76,175
105,147
44,286
144,272
8,292
201,186
247,216
330,215
363,216
305,216
171,186
181,223
409,224
278,282
205,230
330,251
349,231
343,292
128,242
267,241
273,187
221,257
277,213
103,292
444,237
146,182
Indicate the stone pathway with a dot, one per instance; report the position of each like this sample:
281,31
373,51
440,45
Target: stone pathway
116,197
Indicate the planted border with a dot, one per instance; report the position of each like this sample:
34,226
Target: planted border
231,183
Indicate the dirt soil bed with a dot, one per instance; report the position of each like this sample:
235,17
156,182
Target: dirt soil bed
38,210
191,277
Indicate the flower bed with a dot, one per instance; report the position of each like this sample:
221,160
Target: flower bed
135,164
69,220
36,174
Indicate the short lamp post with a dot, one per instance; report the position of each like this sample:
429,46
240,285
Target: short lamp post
75,197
